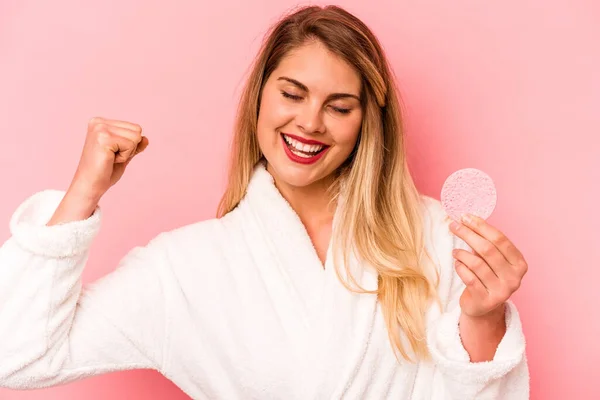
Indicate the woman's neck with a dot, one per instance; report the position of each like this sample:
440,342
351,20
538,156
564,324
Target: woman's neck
312,203
315,209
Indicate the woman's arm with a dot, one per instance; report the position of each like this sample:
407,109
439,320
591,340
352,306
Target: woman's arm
481,336
52,330
503,374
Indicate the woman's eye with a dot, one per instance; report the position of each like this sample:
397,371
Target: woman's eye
341,110
298,98
290,96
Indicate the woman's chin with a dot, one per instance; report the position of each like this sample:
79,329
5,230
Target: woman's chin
294,175
296,178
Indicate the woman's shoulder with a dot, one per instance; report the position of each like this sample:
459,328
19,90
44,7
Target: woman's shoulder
194,233
200,238
433,211
436,230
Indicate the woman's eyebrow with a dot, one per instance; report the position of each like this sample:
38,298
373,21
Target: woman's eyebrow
303,87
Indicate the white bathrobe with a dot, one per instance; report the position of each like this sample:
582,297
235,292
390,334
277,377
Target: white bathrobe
232,308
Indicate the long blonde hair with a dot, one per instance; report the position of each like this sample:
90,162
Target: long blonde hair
382,214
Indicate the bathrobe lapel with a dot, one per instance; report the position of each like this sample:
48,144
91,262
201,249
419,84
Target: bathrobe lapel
285,245
329,325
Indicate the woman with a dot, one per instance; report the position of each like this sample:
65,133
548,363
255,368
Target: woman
326,275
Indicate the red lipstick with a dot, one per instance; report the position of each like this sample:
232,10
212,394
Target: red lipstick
300,159
302,140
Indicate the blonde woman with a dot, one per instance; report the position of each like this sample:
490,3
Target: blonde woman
325,276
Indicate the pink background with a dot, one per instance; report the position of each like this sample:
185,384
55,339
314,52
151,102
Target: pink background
510,87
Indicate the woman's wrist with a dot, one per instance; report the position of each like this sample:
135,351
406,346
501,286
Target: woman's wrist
494,318
75,206
481,335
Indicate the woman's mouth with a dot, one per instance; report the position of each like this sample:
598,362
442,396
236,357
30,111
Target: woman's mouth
301,151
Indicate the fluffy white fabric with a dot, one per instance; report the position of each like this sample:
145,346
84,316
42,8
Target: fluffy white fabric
235,308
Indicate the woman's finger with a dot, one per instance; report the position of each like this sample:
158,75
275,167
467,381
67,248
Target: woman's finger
484,248
494,236
472,282
480,268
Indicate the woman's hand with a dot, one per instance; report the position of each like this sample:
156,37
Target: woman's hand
492,273
109,147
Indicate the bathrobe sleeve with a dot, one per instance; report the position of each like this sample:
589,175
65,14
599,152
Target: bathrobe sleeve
506,377
53,331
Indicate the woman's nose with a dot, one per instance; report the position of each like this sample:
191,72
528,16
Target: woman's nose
310,119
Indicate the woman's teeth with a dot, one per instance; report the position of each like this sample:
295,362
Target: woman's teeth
301,149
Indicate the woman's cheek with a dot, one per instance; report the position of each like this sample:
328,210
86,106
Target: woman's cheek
347,133
285,112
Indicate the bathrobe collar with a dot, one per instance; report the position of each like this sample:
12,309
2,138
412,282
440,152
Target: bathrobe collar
337,323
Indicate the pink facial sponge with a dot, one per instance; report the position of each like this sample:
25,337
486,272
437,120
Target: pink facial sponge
470,191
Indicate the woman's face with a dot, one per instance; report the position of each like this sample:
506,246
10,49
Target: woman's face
310,115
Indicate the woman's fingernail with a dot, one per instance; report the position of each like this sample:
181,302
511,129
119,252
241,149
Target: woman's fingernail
454,225
467,218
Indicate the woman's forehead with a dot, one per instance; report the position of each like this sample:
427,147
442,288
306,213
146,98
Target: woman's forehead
319,69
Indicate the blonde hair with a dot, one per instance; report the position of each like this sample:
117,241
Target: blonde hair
382,213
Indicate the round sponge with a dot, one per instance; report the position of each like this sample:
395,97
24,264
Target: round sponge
470,191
